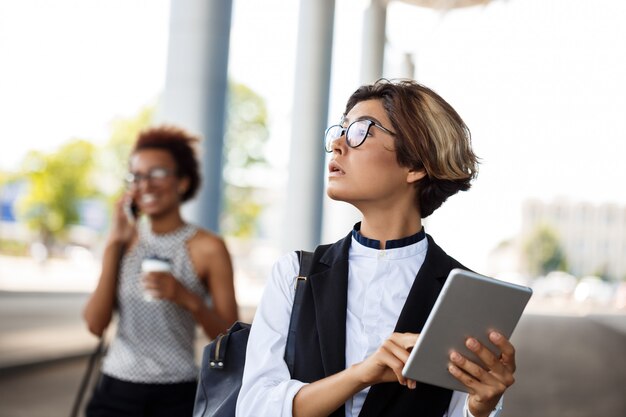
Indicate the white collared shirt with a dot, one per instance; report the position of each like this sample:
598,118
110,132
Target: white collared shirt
378,285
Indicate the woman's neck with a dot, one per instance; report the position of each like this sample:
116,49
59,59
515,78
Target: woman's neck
389,227
166,223
391,218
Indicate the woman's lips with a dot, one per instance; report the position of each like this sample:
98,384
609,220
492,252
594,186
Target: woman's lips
147,199
335,170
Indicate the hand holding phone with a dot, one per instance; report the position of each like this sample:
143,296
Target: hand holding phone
131,210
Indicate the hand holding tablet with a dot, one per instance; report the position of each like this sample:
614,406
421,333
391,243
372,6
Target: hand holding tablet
469,305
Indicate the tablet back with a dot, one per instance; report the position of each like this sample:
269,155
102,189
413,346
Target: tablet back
468,305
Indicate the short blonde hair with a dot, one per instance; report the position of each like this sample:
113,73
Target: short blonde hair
430,136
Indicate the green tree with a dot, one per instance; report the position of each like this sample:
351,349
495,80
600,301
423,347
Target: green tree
543,251
244,151
56,182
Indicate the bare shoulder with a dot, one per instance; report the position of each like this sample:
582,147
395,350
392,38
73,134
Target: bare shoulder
206,243
209,255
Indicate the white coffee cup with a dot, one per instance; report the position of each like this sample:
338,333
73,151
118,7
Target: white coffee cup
153,265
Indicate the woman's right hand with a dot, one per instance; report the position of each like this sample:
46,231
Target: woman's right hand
322,397
386,364
122,229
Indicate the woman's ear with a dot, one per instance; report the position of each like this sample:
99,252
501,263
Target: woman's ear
183,185
415,175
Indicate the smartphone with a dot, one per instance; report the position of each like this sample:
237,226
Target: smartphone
131,209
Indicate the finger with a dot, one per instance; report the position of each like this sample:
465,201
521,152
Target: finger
151,279
400,356
485,355
119,208
493,364
397,350
160,275
393,355
149,284
478,381
131,193
391,361
411,384
507,356
463,378
475,371
484,396
489,382
404,340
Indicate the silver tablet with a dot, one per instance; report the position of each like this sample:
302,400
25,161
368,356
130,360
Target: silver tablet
468,305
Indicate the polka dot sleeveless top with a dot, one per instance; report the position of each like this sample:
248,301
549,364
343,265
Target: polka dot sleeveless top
155,338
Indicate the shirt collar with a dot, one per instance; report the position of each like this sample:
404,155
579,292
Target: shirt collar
390,244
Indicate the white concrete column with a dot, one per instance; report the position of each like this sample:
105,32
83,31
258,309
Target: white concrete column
303,218
407,68
195,91
373,56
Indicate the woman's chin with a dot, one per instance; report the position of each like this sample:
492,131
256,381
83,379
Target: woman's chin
337,195
333,194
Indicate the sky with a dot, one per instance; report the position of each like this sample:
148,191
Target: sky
540,84
69,67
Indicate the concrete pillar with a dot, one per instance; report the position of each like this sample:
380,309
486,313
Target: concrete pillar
195,92
303,212
373,56
407,69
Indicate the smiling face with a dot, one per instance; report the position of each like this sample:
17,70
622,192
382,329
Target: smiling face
370,174
158,189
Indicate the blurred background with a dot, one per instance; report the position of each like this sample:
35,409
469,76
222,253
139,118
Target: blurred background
540,84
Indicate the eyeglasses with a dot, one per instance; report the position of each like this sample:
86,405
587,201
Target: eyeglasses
133,179
356,133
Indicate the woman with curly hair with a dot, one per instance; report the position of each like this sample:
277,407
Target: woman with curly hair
150,369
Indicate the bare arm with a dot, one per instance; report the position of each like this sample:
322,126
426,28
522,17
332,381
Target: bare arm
99,309
219,279
213,265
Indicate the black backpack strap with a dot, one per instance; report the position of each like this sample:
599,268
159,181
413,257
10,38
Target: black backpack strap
95,356
306,261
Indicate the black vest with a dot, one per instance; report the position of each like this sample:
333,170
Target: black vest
321,330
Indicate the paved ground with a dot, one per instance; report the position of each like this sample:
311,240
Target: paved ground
43,391
44,350
38,327
569,366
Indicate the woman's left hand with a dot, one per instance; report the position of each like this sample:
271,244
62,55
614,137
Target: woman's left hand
163,285
485,382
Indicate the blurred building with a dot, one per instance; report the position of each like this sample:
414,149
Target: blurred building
593,237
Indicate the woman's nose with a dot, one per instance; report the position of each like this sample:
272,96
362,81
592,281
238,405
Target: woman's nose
143,184
337,145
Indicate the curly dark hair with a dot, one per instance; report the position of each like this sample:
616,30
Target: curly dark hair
183,148
430,136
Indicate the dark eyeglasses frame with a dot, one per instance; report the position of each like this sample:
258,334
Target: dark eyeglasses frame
344,132
155,174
